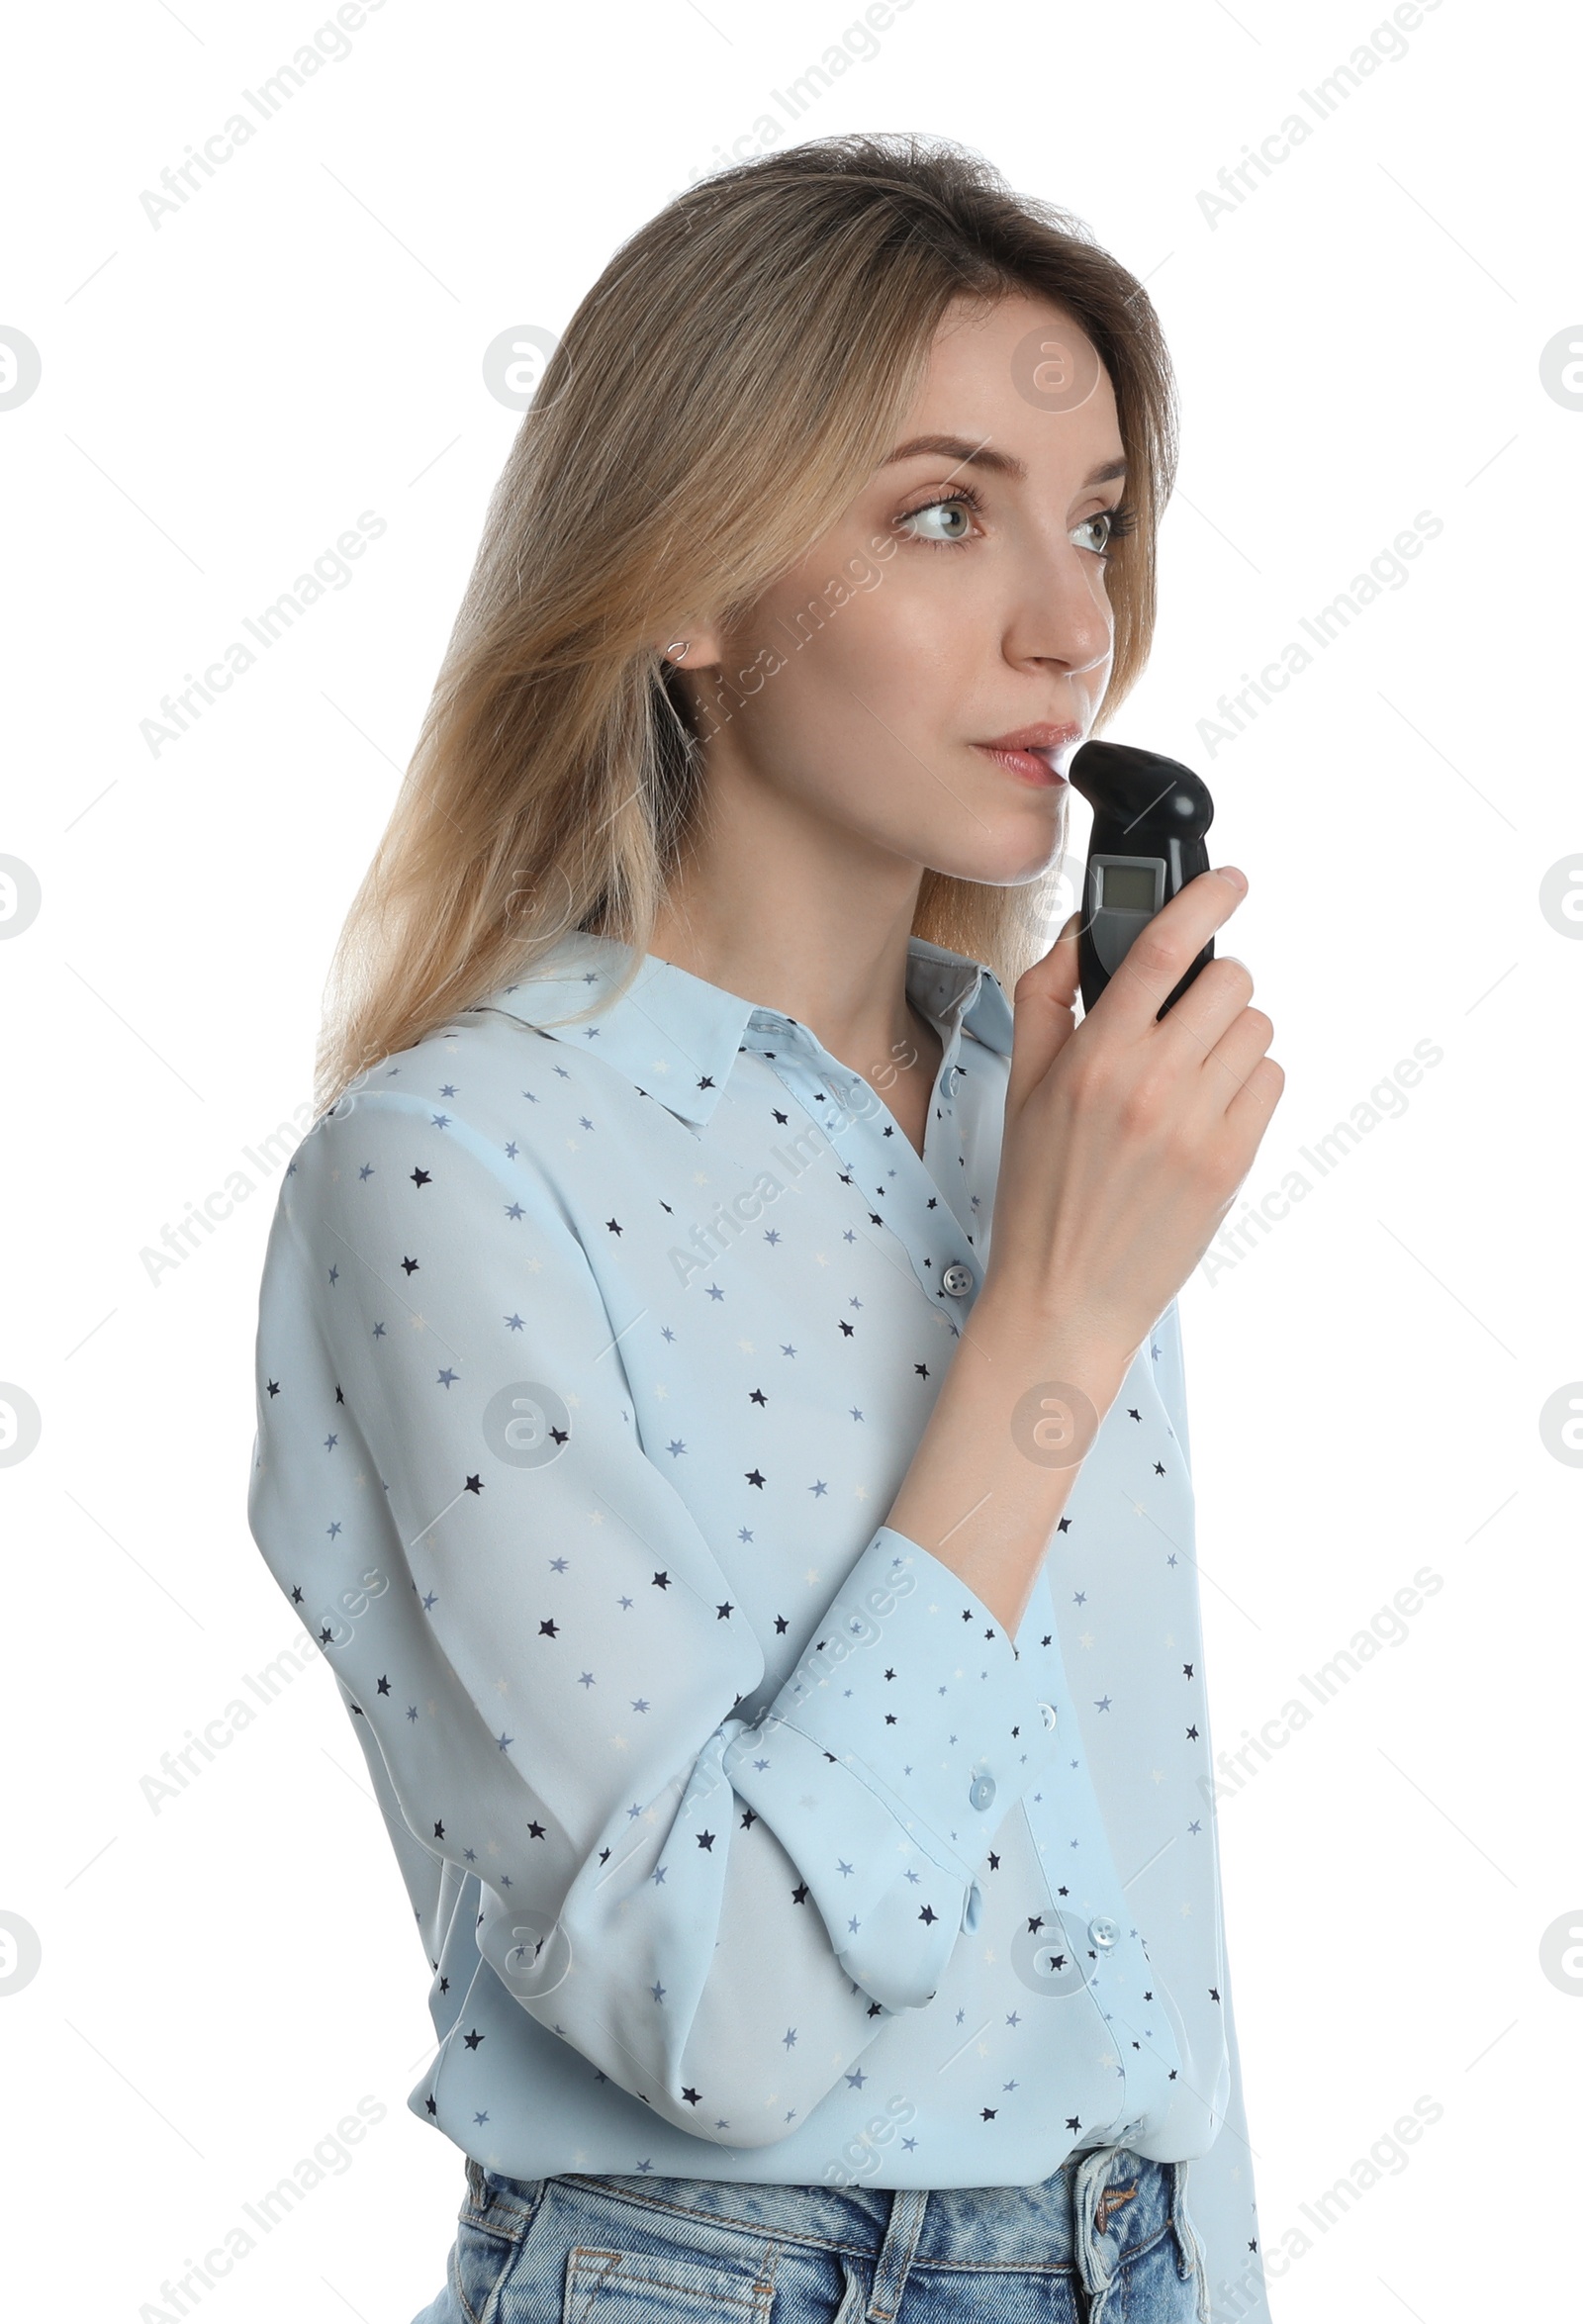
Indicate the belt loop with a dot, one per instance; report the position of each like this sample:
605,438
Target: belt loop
1091,2254
908,2206
1191,2263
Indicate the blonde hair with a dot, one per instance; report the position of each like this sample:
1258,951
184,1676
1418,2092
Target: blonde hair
735,376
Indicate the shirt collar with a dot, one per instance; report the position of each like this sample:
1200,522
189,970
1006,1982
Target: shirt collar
676,1037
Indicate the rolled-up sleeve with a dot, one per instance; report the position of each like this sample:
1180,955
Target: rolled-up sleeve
450,1489
890,1758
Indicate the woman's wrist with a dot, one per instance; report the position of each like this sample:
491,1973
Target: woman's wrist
1063,1339
1017,1412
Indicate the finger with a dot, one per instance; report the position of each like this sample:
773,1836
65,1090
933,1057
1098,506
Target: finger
1236,1052
1042,1021
1211,1005
1162,952
1255,1101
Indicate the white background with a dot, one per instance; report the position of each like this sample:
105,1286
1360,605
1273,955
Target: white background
221,395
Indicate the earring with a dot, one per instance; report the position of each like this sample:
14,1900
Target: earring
677,648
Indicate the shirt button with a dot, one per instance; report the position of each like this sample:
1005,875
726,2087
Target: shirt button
1047,1713
1102,1933
957,1279
983,1791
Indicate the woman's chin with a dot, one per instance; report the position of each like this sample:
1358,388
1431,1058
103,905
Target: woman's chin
1008,858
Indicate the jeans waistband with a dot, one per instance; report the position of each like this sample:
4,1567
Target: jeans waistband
1110,2191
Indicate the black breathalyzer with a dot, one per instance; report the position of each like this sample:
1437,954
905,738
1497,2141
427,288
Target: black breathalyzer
1150,818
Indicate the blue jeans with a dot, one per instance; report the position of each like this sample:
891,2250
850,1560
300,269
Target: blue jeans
1105,2240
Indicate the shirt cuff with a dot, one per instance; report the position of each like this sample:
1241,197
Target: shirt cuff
888,1760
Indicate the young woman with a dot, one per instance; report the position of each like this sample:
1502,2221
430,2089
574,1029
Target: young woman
720,1397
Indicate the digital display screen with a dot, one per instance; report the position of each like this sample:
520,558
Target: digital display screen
1126,887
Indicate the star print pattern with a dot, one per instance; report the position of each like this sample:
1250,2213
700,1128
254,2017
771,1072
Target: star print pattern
592,1351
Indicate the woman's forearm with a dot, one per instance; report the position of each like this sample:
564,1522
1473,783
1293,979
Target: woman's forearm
997,1465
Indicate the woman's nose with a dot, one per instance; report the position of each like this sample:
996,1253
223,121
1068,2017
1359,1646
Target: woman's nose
1063,616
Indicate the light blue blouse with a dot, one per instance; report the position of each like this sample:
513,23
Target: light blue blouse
744,1843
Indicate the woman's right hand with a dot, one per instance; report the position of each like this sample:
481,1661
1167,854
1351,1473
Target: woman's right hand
1126,1138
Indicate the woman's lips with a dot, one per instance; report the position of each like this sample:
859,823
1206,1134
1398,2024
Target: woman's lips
1032,753
1026,763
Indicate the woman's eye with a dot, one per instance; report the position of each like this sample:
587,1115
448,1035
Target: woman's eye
955,519
1114,524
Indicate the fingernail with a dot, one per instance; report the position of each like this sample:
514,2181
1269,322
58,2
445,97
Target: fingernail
1237,879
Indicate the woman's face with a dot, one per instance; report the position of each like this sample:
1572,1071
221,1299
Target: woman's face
959,601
